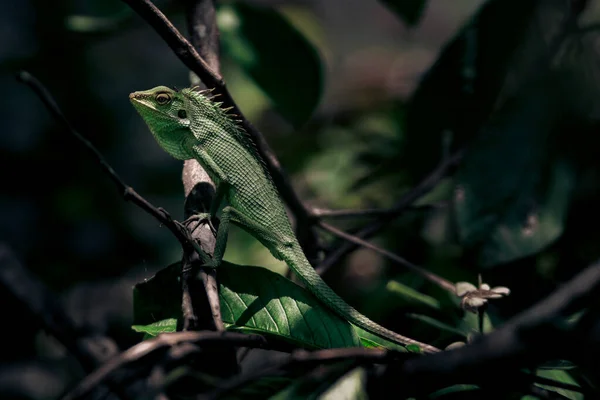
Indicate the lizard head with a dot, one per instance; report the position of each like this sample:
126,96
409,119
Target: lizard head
165,112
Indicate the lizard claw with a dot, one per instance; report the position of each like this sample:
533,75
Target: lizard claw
201,217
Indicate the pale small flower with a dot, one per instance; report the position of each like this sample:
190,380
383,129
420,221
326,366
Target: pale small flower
473,298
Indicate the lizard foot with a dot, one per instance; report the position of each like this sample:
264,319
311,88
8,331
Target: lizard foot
201,217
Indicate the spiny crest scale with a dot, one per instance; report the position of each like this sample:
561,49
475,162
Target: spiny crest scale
228,121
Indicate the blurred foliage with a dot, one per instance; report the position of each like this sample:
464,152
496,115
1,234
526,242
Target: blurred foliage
409,11
508,85
279,59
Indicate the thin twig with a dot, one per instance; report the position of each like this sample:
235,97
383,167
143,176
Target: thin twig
190,57
372,212
126,191
438,280
163,342
190,319
405,201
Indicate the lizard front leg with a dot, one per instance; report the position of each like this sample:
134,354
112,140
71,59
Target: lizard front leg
221,183
229,215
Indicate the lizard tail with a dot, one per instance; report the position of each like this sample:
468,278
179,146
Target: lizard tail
294,257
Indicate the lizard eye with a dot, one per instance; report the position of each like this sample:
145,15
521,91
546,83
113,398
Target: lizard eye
163,98
181,114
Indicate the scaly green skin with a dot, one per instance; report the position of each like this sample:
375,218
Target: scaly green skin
188,124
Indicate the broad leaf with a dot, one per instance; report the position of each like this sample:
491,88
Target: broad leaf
253,299
275,55
512,193
410,11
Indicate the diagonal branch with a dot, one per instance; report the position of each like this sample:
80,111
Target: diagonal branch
401,205
322,213
438,280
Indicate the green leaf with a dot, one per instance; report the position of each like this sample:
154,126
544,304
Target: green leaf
563,377
512,192
370,340
253,299
275,55
410,11
412,295
156,328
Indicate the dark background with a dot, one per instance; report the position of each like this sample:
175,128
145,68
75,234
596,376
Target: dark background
62,218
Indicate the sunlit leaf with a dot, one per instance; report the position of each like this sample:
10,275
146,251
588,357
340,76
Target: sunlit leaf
370,340
254,299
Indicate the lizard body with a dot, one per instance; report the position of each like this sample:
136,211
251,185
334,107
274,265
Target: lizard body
188,124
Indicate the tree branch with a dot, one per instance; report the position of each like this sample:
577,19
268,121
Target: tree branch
128,193
198,187
430,276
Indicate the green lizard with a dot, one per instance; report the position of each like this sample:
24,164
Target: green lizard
188,124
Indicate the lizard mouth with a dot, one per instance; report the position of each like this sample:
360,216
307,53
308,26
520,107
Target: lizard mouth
137,96
141,100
